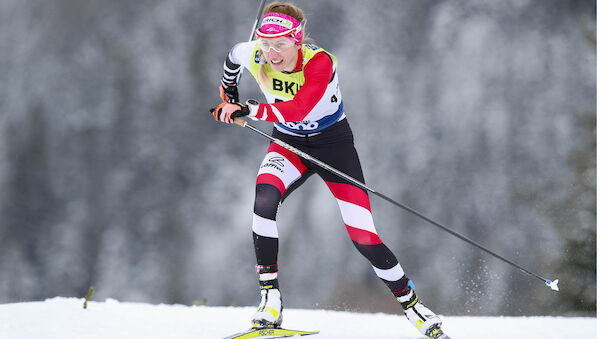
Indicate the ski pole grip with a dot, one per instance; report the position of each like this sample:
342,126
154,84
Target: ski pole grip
240,122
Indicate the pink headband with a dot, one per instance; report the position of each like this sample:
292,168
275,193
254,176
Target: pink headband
276,25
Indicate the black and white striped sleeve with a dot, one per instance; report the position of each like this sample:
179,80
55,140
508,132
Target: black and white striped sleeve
239,56
231,71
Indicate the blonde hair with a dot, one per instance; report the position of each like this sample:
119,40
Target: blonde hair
287,9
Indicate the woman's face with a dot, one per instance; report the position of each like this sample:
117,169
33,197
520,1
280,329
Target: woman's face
281,53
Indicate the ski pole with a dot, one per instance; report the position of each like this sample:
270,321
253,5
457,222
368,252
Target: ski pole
258,16
257,19
241,122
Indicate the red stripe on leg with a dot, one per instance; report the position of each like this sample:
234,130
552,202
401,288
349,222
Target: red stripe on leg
292,157
271,179
363,237
350,193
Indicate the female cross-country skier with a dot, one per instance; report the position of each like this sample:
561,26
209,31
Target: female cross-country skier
303,98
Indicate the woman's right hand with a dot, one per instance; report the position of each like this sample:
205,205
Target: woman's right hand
229,93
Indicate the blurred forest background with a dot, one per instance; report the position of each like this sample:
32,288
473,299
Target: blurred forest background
480,114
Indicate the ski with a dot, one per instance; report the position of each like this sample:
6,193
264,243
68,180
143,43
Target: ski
269,332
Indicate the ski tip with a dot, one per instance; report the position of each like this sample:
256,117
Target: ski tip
553,284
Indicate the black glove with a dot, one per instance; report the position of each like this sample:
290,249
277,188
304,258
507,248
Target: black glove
229,93
226,111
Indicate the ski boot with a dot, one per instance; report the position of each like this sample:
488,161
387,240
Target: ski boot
270,311
420,316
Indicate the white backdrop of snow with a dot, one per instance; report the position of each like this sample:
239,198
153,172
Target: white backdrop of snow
65,318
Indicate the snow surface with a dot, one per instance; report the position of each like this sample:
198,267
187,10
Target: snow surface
65,318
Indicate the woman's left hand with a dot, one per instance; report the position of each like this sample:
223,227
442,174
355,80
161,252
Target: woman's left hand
226,112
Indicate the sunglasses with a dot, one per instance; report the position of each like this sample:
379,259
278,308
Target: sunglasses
278,45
